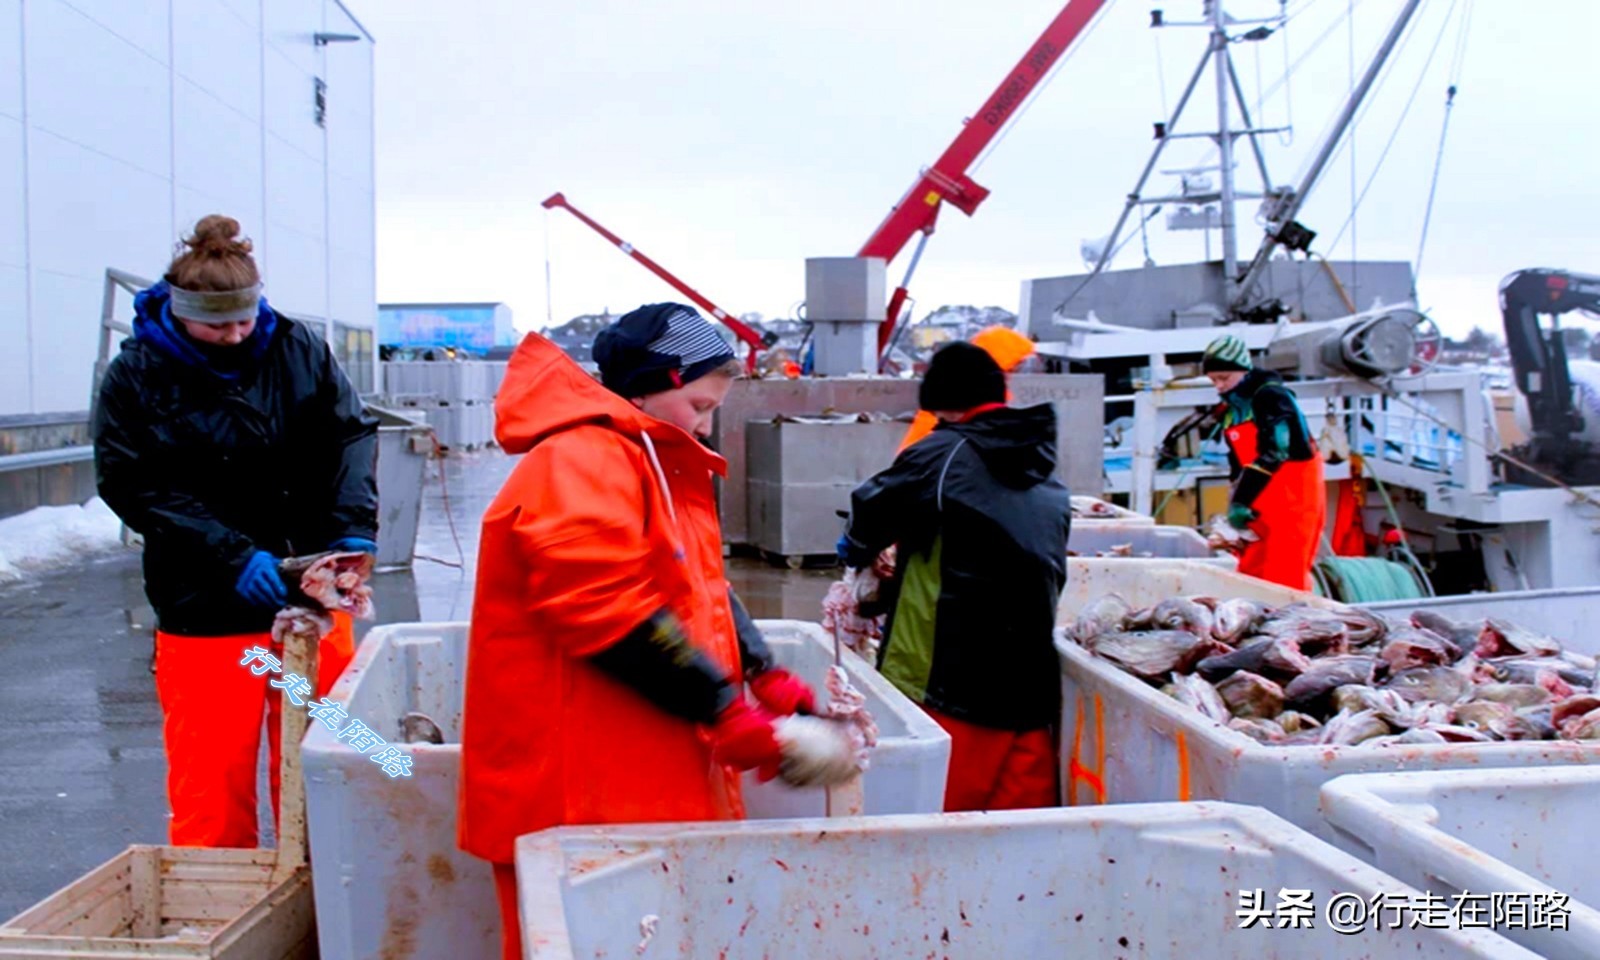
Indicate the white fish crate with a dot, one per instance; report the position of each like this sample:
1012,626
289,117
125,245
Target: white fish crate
1157,880
1162,541
1123,741
389,870
1483,832
1566,614
1111,512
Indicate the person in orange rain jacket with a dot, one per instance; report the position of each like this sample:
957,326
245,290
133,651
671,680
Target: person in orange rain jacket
607,655
1277,472
1008,348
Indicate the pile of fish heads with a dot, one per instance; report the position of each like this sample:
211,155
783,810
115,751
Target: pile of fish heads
1300,674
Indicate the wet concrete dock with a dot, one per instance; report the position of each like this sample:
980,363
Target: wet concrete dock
84,772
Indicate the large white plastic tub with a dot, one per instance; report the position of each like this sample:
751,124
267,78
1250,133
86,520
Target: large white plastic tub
1113,513
909,765
1156,881
1483,831
1088,537
389,880
1123,741
1567,614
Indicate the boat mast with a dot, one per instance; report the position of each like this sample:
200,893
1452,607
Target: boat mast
1281,210
1221,62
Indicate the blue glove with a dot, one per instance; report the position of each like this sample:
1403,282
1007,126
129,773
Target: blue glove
1240,516
354,545
260,583
843,548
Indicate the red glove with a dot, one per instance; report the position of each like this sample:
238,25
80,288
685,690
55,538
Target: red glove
742,739
783,693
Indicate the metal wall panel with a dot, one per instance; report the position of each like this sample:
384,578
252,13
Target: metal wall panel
142,25
76,93
218,50
10,62
58,304
88,211
13,191
217,154
16,375
289,27
352,206
293,269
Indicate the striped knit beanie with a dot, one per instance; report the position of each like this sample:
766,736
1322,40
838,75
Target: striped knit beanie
1226,353
658,347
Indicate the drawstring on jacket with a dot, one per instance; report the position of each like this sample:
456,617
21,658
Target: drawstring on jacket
661,475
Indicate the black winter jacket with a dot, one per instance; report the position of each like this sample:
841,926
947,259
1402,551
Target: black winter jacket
208,469
982,528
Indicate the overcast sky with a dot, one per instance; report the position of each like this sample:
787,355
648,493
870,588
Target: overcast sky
731,140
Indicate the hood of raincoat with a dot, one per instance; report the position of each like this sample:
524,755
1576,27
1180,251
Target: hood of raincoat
154,324
545,392
1018,446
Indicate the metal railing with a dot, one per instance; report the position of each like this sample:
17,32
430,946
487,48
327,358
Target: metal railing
1398,429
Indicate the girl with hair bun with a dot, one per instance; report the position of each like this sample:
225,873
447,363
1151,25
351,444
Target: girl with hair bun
227,436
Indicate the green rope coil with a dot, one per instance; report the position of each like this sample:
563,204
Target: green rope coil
1368,580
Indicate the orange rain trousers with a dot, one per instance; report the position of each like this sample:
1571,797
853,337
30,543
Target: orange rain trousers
1293,509
994,769
211,707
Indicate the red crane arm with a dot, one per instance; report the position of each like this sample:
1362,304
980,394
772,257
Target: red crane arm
740,330
947,179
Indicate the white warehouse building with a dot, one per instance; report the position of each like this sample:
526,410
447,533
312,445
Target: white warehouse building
122,122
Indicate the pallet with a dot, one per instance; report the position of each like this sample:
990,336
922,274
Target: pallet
160,902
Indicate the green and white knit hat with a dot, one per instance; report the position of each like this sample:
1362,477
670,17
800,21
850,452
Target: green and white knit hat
1226,352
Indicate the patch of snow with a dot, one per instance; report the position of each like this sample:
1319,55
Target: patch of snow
51,538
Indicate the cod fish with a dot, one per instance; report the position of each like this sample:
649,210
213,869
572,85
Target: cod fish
1329,673
1429,683
1265,731
1246,657
1182,613
1390,706
1416,647
1293,721
1232,619
1482,714
1348,729
1499,638
1573,707
1251,696
1515,694
1103,615
1540,670
1361,627
1586,727
1462,635
1540,718
1151,653
1196,692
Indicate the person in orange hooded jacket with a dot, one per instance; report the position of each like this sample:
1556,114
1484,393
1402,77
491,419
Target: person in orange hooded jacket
607,655
1008,348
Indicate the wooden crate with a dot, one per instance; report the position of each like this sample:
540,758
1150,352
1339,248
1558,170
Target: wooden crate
160,902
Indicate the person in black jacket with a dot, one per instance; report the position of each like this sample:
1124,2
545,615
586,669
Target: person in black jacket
981,527
226,435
